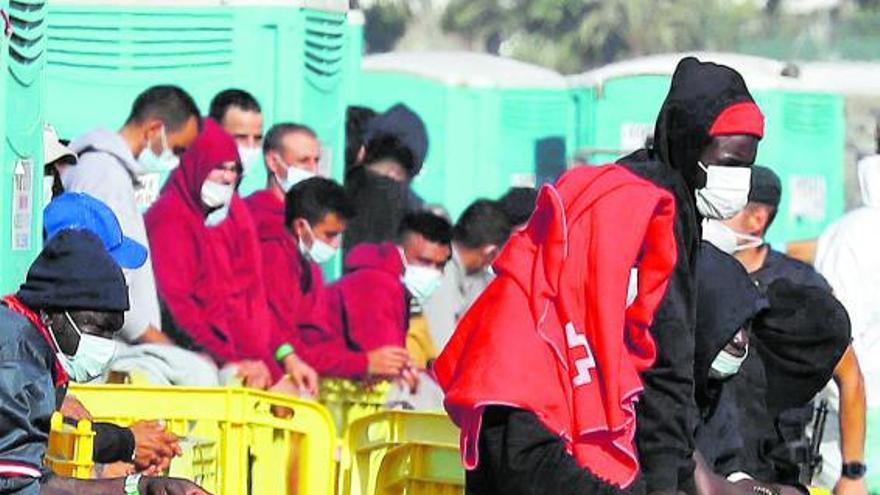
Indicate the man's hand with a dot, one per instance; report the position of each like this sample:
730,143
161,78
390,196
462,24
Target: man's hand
72,408
847,486
169,486
254,374
154,447
387,361
409,377
303,376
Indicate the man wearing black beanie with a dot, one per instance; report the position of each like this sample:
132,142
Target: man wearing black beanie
56,328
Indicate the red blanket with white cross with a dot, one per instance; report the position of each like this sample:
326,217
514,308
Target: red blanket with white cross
553,333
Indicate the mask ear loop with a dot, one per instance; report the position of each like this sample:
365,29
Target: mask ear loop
54,339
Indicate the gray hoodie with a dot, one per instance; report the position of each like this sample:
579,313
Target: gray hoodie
108,171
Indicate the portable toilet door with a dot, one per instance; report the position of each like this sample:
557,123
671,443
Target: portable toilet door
21,190
803,140
492,122
289,54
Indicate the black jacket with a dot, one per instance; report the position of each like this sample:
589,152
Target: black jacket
519,456
699,92
728,301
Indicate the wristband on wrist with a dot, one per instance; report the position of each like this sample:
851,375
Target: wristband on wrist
283,351
132,484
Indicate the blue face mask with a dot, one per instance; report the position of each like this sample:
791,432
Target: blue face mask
165,160
320,252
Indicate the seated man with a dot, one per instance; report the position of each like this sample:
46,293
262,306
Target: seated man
295,240
160,363
208,261
360,327
393,150
145,443
477,238
239,113
59,327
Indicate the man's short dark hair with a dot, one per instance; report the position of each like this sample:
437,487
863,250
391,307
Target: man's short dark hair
170,104
482,224
238,98
356,120
519,203
272,141
432,227
315,198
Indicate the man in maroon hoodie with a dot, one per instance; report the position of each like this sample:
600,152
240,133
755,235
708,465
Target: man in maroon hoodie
359,329
207,259
296,236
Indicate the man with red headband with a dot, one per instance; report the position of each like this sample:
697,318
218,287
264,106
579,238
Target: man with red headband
544,373
705,143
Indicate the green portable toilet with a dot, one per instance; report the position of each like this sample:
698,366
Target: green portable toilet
290,54
617,106
22,61
492,122
859,83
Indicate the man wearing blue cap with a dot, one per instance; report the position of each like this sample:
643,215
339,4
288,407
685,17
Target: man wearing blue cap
157,359
58,327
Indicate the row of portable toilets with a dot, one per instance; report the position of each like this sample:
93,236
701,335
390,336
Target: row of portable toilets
492,122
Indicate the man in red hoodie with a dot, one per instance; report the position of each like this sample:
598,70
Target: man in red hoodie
359,329
208,261
295,241
291,153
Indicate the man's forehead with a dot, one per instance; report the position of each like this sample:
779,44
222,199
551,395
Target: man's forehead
237,118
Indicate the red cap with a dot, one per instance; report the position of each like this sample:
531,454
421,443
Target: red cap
739,118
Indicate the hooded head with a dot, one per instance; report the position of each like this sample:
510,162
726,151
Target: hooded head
800,339
212,148
727,302
705,100
399,135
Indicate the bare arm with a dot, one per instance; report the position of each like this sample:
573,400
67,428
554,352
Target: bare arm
848,377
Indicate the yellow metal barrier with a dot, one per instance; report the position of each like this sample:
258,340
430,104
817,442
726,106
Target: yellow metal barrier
349,400
370,438
235,443
421,469
70,448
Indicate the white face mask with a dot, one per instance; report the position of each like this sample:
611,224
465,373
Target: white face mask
726,239
216,196
726,192
295,175
166,160
726,365
422,281
92,357
249,157
320,252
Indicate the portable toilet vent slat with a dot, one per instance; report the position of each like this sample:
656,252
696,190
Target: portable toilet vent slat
22,56
617,107
492,122
291,55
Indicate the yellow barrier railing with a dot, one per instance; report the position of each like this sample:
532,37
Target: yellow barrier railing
70,448
370,439
235,444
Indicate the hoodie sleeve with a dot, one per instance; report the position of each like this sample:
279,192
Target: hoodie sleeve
324,344
667,412
177,262
99,175
283,295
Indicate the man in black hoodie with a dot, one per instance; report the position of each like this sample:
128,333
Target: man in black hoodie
705,142
394,147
